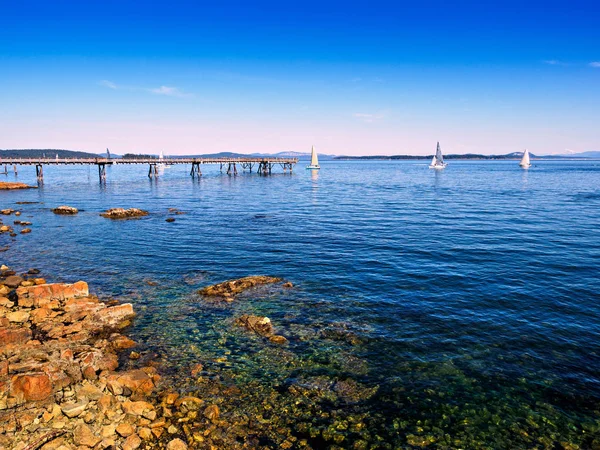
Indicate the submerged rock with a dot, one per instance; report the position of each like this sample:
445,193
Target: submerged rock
260,325
65,210
121,213
229,289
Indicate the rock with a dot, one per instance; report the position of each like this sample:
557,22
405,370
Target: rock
289,284
197,369
74,409
13,281
276,339
177,444
18,316
211,412
121,213
144,433
189,403
31,387
125,429
7,212
33,271
65,210
6,186
115,316
231,288
26,230
134,355
258,324
170,219
132,442
82,435
137,408
5,229
137,381
14,336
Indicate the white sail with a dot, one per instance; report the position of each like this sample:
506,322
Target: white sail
438,154
433,161
314,160
525,160
161,156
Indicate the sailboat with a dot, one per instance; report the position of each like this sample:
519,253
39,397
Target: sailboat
525,164
161,159
438,159
314,160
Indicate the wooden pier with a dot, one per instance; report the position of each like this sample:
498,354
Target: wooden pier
264,166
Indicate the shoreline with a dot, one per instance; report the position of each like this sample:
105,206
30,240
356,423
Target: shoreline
60,383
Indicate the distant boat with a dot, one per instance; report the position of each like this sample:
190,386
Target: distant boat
161,163
438,159
314,160
525,164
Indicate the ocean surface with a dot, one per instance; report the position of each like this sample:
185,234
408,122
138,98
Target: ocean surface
441,309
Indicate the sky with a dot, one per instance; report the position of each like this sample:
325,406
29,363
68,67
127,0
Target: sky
351,78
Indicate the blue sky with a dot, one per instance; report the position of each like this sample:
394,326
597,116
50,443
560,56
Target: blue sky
349,77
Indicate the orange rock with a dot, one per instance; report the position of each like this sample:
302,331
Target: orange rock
137,381
34,387
14,336
114,316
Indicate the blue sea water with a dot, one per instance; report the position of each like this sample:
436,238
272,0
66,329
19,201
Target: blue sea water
449,309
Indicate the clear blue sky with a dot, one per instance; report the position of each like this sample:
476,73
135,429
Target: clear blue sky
348,77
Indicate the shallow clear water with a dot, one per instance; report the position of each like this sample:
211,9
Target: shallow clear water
454,308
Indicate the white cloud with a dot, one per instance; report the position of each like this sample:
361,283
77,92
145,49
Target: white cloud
108,84
595,64
162,90
368,118
170,91
554,62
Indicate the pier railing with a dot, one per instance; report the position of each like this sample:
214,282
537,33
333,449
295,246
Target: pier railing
265,164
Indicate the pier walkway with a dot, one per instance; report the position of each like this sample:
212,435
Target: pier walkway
264,165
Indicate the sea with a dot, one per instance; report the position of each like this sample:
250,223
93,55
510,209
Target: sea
455,308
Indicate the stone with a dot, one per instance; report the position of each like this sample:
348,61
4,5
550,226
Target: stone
277,339
189,403
177,444
18,316
5,185
137,408
170,219
26,230
10,336
144,433
13,281
65,210
115,316
138,381
132,442
232,288
289,284
125,429
211,412
134,355
197,369
74,409
31,387
258,324
82,435
121,213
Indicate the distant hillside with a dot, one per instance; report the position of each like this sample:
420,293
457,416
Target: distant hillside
580,155
46,153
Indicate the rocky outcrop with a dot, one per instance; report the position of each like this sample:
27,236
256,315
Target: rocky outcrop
121,213
229,289
7,186
59,378
65,210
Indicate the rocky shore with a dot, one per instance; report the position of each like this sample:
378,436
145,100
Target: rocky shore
60,383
